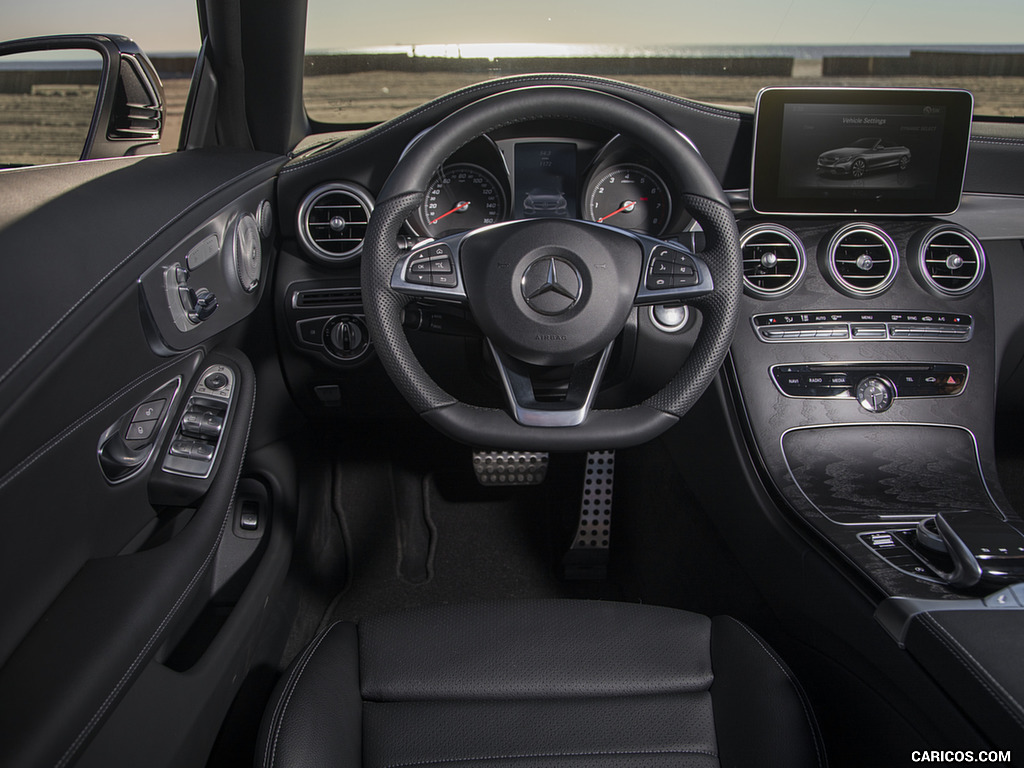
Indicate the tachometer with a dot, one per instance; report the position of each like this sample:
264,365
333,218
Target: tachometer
631,197
461,196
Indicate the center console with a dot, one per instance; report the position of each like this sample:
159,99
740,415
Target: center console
868,389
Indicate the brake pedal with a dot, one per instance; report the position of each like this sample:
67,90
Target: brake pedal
587,558
510,467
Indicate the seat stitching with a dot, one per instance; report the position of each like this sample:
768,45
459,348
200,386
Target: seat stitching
990,684
108,702
793,684
290,687
68,431
531,756
159,231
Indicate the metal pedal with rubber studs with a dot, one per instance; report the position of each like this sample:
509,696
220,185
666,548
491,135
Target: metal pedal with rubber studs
510,467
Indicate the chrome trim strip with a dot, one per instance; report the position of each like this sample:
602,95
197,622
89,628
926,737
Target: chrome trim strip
536,417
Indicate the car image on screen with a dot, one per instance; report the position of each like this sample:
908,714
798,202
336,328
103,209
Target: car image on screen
863,156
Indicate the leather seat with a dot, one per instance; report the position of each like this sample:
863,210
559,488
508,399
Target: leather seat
535,684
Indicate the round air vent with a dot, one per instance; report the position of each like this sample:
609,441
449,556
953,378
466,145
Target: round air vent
861,260
950,261
332,221
773,260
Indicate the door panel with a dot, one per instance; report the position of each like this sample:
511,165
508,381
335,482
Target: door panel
95,574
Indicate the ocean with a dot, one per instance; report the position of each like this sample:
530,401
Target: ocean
515,50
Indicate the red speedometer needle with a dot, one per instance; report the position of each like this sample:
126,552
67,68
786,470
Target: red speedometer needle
458,207
627,206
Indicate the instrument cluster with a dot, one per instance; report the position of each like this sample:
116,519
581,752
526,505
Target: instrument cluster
492,180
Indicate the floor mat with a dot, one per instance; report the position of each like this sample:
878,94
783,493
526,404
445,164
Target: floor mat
417,537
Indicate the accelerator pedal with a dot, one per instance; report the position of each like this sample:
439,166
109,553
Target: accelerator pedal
587,558
510,467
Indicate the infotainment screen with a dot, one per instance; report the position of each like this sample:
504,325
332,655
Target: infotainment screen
860,150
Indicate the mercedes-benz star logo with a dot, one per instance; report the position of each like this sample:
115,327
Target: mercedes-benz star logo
551,285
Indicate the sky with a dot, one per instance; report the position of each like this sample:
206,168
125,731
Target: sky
170,25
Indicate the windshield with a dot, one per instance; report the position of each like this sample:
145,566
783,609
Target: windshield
371,62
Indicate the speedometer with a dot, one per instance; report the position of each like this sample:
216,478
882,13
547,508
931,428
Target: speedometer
631,197
461,196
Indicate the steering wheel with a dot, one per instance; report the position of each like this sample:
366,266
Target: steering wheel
551,291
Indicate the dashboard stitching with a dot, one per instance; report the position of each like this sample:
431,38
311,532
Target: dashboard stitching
172,220
391,125
997,140
108,702
975,667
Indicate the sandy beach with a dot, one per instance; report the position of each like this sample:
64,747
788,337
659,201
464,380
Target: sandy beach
49,124
376,96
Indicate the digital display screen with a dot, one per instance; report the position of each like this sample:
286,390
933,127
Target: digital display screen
879,151
545,180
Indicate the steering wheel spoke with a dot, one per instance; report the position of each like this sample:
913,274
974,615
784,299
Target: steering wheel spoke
552,294
672,274
584,380
432,270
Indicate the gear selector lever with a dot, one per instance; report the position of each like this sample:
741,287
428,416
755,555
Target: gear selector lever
982,547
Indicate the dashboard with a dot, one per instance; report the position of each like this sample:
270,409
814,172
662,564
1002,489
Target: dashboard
861,337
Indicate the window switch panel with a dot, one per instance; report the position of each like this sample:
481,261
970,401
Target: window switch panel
193,450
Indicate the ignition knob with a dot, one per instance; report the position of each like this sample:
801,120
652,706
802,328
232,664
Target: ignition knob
875,394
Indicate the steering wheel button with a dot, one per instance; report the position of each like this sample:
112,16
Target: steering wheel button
441,265
443,281
420,266
419,278
661,267
659,282
684,281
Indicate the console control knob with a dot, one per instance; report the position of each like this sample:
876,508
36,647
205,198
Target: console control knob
875,394
346,337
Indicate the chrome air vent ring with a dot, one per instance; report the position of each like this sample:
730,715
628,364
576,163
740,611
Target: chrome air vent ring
950,260
861,260
332,221
774,260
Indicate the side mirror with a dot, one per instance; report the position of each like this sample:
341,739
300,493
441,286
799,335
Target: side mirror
128,112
